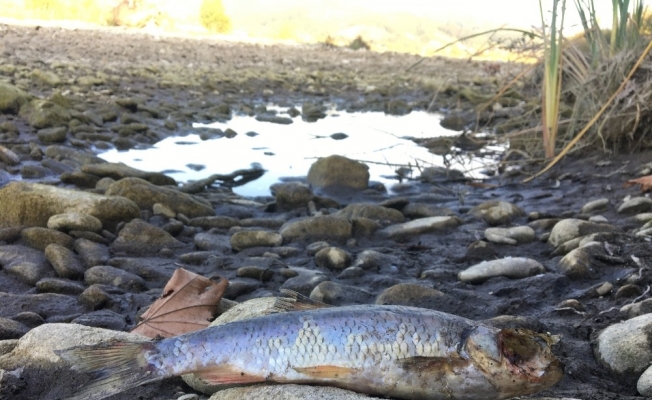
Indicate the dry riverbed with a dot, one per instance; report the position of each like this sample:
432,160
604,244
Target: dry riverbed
91,243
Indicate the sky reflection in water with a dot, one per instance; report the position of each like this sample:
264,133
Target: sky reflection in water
289,150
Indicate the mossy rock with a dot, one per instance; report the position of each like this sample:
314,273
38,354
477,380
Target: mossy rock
12,98
45,114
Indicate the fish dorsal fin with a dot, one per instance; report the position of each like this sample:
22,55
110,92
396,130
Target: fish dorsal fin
296,302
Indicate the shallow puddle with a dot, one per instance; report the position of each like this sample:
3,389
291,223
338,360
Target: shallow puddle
379,140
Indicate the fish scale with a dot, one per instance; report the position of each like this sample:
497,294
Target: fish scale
396,351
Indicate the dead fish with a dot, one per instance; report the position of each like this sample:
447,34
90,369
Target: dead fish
393,351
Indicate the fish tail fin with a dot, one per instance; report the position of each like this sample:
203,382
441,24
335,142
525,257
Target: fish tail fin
114,367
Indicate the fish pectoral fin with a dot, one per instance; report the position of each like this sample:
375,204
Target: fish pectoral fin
227,375
434,364
326,371
296,302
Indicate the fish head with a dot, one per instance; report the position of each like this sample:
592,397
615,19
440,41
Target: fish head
515,361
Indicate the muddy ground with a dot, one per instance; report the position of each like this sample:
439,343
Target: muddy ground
186,77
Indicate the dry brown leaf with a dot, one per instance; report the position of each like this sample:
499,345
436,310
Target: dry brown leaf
645,182
188,303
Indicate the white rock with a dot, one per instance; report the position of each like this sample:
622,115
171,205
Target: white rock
644,384
513,235
289,392
595,205
635,205
571,228
510,267
419,226
624,347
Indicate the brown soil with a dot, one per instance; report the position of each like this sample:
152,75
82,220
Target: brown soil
183,71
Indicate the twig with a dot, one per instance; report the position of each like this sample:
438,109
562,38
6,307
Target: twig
647,290
570,309
610,174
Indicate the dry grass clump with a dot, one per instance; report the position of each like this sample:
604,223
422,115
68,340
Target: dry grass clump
599,99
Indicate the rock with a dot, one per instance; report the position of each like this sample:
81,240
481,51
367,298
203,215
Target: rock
510,267
408,294
497,212
595,205
77,156
570,228
64,261
8,157
218,221
305,281
291,195
635,205
371,260
289,392
419,226
6,347
32,204
644,383
480,250
94,297
34,172
10,329
577,264
106,319
45,114
46,305
351,272
40,238
365,227
11,98
162,209
240,287
254,272
210,242
275,119
46,78
139,238
312,112
423,210
337,294
74,222
514,235
333,258
246,239
61,286
107,275
338,171
623,347
440,174
323,227
27,264
146,195
371,211
91,253
52,135
36,352
119,171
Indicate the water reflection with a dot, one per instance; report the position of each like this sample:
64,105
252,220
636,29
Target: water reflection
380,140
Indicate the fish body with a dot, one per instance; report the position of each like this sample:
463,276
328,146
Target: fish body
394,351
